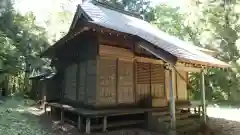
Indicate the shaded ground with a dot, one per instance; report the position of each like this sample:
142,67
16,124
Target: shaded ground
18,118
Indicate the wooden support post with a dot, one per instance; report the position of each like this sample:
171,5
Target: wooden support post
79,123
104,123
45,109
50,112
199,110
88,125
203,97
172,100
45,104
62,116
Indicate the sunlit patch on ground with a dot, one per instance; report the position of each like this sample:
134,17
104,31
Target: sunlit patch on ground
227,113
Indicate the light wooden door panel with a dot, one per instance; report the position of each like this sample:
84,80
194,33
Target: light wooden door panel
125,82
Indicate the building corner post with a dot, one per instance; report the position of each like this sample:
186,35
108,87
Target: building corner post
203,97
172,107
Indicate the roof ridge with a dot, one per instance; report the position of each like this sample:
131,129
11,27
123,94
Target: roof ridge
130,13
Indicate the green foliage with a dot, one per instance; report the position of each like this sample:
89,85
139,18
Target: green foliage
141,7
213,25
21,43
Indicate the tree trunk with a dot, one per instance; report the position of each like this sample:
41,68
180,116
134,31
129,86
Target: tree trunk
26,76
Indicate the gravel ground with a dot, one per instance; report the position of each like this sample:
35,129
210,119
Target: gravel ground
224,127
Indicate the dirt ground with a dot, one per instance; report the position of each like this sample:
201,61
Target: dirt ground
17,118
225,127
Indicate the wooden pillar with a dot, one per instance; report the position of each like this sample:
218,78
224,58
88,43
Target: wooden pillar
104,123
51,111
172,74
62,116
203,99
88,125
199,110
79,123
45,108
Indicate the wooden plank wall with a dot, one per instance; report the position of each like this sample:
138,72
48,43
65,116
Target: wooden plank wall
82,76
182,85
115,81
90,82
124,80
80,73
70,82
106,81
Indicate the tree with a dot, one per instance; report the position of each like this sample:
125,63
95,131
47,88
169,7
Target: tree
219,29
213,25
22,41
141,7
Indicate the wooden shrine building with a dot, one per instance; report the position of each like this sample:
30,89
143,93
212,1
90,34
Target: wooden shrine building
114,63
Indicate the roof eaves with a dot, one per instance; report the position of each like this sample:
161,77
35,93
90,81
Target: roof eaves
217,64
80,12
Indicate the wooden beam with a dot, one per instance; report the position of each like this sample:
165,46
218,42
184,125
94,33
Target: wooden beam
115,51
188,69
158,52
203,97
172,100
148,60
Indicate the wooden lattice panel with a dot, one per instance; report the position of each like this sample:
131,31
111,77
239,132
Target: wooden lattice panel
106,93
157,74
125,82
143,73
143,81
70,82
157,81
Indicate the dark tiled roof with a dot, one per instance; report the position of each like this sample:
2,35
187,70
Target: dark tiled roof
128,24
